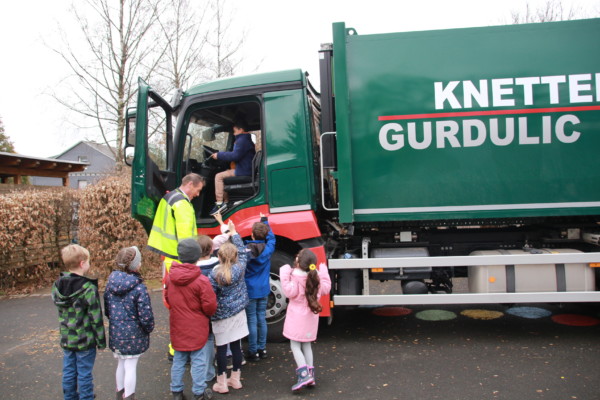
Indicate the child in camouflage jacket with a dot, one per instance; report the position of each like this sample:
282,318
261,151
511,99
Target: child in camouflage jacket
81,325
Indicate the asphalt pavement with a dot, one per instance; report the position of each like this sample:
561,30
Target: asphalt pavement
361,356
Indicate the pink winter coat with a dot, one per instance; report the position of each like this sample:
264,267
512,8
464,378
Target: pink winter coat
301,324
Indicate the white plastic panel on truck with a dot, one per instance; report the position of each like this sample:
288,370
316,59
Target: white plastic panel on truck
530,278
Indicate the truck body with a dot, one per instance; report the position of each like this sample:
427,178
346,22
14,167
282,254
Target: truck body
425,157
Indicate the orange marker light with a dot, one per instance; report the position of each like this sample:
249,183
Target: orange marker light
492,279
376,269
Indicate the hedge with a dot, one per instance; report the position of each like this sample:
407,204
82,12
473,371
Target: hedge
36,224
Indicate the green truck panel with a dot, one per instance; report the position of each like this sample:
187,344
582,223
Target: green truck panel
235,83
468,123
290,181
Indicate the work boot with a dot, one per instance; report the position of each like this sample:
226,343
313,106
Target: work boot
221,385
235,380
120,394
304,378
178,396
311,371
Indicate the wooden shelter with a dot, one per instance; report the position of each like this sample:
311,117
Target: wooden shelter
17,165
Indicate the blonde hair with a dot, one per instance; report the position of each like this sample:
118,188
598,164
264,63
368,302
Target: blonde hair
227,257
72,256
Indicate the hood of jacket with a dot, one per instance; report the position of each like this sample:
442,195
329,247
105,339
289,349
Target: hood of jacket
183,274
121,283
256,247
206,266
69,287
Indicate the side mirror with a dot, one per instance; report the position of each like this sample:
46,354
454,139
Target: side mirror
208,135
129,136
176,98
128,155
130,127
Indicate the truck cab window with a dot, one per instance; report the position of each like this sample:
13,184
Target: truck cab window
157,137
209,129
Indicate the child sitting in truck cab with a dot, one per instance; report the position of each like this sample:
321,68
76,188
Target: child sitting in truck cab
242,155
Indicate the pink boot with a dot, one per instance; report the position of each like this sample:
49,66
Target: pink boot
235,380
311,371
220,385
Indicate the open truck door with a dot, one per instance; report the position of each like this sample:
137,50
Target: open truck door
149,130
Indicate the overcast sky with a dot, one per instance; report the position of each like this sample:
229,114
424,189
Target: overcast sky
281,34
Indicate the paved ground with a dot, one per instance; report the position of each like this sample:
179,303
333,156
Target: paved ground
362,356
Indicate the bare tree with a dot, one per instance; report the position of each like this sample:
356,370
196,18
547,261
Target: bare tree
552,10
117,49
181,28
224,45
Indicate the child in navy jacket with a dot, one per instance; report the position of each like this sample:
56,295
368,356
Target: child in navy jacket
129,311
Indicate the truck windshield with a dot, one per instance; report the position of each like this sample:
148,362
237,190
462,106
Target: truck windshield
210,129
205,136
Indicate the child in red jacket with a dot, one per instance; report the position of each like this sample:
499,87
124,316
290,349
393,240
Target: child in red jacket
191,302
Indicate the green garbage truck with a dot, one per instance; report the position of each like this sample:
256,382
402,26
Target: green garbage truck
423,159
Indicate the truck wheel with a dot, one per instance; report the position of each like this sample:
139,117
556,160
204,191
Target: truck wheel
277,302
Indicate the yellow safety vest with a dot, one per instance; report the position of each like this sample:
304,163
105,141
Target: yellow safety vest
175,220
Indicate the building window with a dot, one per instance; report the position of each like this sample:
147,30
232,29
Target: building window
83,159
82,184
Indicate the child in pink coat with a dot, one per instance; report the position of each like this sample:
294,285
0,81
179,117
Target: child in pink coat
303,285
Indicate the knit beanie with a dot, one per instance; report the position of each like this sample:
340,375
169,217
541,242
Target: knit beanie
189,251
135,264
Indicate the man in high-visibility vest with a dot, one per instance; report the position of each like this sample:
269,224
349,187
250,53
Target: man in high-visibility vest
175,220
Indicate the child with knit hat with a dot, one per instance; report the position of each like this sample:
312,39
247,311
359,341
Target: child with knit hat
129,311
191,301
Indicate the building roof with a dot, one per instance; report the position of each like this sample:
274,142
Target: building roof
12,164
102,148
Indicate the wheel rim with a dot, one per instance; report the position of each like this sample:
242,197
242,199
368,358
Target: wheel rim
277,302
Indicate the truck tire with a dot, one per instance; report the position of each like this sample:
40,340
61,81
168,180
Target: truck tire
277,302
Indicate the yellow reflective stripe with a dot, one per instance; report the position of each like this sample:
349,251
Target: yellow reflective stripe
163,233
166,218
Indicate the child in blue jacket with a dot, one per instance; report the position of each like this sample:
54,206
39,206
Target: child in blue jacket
258,270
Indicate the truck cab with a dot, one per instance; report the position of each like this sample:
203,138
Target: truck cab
280,110
172,139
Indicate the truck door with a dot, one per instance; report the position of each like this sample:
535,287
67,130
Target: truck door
153,173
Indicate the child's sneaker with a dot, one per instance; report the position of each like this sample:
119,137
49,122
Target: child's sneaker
218,208
304,378
252,356
262,353
230,362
